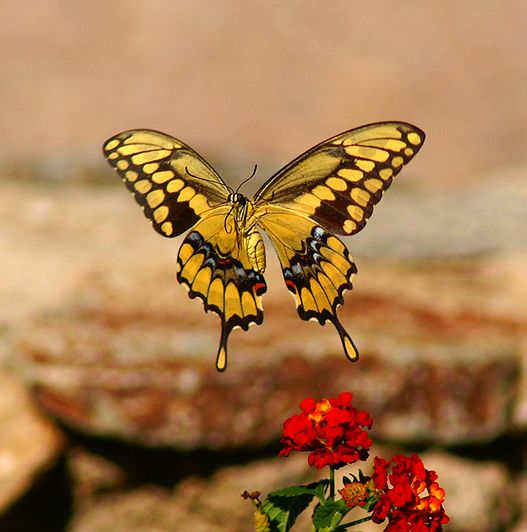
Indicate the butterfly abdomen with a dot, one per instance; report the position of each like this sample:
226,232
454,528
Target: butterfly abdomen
256,251
249,238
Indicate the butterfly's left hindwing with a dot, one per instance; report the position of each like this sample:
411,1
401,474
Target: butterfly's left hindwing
217,269
173,184
316,266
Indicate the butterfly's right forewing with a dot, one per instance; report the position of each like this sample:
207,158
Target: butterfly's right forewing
173,184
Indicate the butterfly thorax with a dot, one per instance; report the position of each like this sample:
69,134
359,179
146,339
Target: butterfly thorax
242,219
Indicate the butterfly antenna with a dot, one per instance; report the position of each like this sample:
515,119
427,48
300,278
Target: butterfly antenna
250,177
205,179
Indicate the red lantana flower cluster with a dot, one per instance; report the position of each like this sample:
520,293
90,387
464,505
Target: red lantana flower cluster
411,497
400,493
331,430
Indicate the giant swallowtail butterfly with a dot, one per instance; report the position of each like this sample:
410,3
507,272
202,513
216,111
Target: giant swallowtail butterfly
330,189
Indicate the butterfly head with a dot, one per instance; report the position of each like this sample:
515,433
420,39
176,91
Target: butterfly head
235,198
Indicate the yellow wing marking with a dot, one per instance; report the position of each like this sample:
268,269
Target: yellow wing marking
155,198
160,214
167,228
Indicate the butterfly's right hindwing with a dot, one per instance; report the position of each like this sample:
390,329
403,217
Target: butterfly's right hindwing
216,269
173,184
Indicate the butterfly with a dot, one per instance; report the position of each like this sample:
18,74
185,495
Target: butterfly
328,190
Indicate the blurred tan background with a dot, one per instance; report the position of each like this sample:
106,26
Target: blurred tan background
266,80
110,394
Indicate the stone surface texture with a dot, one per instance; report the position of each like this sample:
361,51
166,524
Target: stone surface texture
110,344
29,444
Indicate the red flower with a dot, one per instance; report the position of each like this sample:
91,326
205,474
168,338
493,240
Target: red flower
330,430
354,494
381,509
414,502
380,473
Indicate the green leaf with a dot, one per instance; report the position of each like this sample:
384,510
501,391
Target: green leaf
327,516
321,488
315,488
283,511
285,505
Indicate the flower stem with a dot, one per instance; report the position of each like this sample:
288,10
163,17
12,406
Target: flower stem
332,483
358,521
